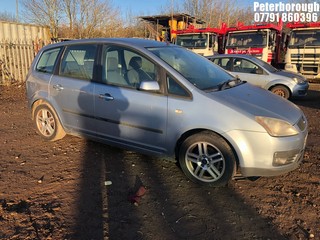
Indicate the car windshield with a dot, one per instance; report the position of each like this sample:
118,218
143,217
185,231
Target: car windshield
196,69
265,65
248,39
305,38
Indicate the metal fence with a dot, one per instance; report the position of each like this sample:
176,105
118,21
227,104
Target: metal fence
19,42
15,60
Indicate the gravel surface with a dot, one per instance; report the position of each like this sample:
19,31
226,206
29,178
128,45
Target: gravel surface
79,189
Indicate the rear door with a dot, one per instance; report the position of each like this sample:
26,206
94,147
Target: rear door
72,88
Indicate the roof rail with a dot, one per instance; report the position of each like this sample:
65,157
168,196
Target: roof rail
240,26
302,25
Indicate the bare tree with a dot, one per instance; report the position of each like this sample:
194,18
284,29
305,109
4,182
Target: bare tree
95,17
230,12
70,8
84,18
200,9
214,12
43,12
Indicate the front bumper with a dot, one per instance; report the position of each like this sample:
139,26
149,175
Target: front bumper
257,151
275,171
300,90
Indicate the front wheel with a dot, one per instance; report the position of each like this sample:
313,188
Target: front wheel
207,159
282,91
47,123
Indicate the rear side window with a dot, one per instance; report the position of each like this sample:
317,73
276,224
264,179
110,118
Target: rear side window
225,63
78,61
47,60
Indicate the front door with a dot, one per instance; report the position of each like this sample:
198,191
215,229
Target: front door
249,71
125,114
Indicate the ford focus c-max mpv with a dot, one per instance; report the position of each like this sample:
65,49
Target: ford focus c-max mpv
164,100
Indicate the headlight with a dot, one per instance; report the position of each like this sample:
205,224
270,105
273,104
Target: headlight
298,80
277,127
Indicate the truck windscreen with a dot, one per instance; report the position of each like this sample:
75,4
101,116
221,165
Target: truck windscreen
305,38
191,41
247,39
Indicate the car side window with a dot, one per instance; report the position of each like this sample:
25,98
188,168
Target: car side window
123,67
78,61
47,60
217,61
113,70
139,68
175,88
245,66
225,63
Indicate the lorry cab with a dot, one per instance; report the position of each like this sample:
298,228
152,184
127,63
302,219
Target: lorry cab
261,40
205,44
204,41
303,49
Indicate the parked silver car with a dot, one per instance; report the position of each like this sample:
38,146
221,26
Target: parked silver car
249,68
164,100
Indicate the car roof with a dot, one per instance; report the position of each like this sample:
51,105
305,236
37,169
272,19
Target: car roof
138,42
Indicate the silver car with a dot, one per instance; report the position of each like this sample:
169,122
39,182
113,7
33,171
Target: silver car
249,68
164,100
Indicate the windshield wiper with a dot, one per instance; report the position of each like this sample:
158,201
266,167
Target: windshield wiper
229,83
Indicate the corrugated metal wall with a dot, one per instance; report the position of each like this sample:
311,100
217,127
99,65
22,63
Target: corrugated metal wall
19,43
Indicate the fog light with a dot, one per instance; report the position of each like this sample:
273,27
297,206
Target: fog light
284,158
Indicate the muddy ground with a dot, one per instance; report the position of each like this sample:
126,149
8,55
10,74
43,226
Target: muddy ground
79,189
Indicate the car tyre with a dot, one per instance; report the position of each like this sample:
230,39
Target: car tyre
207,159
47,123
281,91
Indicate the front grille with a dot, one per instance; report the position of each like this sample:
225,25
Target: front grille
307,63
308,68
309,56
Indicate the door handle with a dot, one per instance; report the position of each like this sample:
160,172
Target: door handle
58,87
106,97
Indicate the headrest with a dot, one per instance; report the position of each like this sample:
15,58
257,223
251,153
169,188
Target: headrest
135,62
112,64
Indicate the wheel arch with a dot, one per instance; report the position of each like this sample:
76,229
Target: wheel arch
60,131
37,103
280,85
40,101
191,132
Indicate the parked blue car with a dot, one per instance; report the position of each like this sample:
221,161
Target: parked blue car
257,72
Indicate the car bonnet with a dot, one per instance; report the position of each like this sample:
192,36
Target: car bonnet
289,74
256,101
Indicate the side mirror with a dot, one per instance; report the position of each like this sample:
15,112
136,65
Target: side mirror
149,86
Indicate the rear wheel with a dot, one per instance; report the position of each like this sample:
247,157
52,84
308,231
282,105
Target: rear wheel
207,159
282,91
47,123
